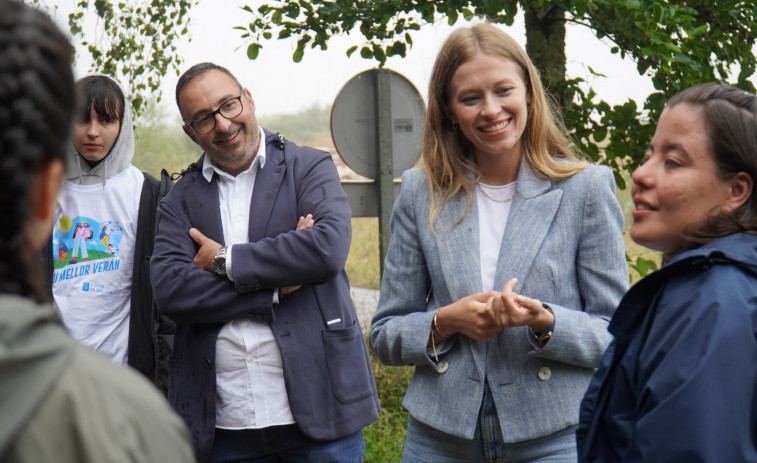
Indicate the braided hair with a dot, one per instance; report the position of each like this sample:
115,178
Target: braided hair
36,104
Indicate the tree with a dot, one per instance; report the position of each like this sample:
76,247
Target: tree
134,42
677,43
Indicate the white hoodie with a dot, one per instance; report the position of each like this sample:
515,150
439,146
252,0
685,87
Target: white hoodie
92,276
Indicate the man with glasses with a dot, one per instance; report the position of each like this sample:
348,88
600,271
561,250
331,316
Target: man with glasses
269,361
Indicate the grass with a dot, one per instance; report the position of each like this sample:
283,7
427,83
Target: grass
363,260
385,438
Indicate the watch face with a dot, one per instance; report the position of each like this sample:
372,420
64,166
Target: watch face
219,262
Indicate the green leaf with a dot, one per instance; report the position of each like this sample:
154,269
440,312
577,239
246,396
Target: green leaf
452,16
298,54
643,266
427,12
399,49
619,180
253,50
593,72
379,54
351,50
698,31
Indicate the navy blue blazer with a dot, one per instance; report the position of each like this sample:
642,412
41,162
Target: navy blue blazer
327,370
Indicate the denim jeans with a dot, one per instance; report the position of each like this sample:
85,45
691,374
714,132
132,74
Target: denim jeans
283,444
425,444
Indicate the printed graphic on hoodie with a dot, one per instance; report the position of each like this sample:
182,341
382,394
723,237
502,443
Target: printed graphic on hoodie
85,240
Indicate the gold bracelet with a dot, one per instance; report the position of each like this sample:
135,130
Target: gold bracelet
436,325
433,345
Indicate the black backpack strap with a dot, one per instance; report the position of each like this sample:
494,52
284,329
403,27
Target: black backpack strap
195,166
165,186
277,139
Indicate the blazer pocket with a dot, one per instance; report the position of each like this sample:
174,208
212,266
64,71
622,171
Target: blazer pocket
347,365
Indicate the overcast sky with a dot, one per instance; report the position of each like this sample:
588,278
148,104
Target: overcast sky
279,85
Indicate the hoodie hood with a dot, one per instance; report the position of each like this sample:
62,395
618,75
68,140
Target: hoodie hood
35,352
738,247
78,169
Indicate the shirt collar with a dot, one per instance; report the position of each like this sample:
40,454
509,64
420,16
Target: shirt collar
209,167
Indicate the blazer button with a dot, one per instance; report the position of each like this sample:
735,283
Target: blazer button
208,363
442,367
545,373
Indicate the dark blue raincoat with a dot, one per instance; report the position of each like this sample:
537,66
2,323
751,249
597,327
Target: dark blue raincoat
679,382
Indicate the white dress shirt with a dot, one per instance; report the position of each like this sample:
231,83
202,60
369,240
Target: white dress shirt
250,389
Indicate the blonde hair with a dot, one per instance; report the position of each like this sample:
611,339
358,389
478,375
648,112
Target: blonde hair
545,138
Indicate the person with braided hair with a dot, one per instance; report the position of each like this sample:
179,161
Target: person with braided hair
59,401
679,381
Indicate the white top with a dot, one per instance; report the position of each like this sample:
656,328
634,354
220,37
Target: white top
93,252
492,220
250,389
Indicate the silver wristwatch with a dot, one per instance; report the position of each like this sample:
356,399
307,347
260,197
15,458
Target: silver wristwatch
219,262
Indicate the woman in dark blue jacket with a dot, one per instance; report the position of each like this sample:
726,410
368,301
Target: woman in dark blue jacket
679,382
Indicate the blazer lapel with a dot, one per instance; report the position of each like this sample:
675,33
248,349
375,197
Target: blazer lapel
459,248
267,183
205,213
460,260
531,216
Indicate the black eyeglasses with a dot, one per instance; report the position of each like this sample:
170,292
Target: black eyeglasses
206,122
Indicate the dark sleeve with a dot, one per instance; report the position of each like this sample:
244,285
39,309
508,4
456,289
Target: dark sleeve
311,256
186,293
149,331
698,373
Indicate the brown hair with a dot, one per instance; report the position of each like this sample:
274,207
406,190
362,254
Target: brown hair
445,160
102,94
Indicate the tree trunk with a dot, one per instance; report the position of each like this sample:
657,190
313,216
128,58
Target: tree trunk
545,44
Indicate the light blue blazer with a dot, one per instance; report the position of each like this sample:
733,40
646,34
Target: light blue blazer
563,242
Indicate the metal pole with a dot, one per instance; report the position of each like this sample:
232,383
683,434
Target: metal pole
384,152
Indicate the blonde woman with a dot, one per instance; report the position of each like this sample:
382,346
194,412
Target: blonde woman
505,264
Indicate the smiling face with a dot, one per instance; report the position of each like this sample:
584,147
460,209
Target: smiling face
488,98
678,185
233,143
95,136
